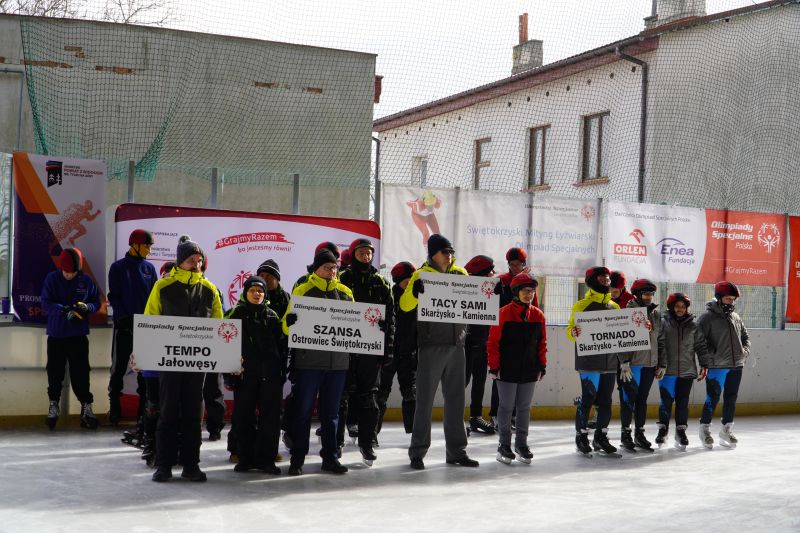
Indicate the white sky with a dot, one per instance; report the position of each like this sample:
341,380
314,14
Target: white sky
429,49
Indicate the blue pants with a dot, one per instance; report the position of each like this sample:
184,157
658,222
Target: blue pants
674,390
633,396
721,382
594,385
308,383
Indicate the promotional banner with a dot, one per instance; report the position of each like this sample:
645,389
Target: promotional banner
613,331
338,326
59,204
458,299
564,236
490,223
236,242
793,283
187,344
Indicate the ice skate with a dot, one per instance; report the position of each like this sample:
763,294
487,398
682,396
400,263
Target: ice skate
479,425
367,455
131,438
705,436
681,441
726,436
600,444
53,413
661,438
524,454
626,440
582,443
88,420
504,454
641,441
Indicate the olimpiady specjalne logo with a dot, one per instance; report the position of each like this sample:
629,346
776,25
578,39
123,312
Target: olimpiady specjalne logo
236,285
487,288
638,319
588,212
769,236
372,315
227,331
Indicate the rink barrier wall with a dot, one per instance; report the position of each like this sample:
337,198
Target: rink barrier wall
771,383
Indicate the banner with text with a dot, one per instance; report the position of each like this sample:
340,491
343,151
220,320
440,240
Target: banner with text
458,299
337,326
187,344
793,283
613,331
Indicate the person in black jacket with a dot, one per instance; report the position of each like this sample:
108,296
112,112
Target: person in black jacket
404,362
261,385
368,287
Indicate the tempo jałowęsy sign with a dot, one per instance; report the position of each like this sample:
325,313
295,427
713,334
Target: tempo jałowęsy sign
187,344
337,326
458,299
613,331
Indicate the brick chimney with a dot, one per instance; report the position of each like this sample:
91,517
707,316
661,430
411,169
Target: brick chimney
667,11
528,53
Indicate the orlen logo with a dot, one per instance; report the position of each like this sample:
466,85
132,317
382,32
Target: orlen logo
632,249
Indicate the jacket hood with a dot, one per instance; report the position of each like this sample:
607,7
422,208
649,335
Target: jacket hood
598,297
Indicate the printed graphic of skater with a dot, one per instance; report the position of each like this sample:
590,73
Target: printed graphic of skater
423,215
70,222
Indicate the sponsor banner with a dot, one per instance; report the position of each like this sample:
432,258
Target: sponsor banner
236,242
412,215
661,243
337,326
613,331
458,299
745,248
491,223
59,203
793,283
187,344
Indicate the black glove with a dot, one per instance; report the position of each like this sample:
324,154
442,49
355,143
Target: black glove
81,307
498,289
542,372
382,325
291,319
73,316
417,288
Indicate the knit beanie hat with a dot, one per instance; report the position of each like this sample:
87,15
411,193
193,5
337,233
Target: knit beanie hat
402,270
270,267
591,279
187,249
70,260
140,236
322,257
618,280
327,245
725,288
523,280
166,268
345,258
480,265
516,254
642,285
360,243
673,298
437,243
253,281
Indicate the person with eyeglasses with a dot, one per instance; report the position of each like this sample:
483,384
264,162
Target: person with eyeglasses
130,280
322,372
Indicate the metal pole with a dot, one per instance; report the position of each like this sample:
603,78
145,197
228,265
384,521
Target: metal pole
642,118
296,194
377,213
214,187
131,180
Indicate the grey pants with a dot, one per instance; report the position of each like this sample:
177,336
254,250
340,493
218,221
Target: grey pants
519,395
447,364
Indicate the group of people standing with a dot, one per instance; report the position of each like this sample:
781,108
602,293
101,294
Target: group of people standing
352,389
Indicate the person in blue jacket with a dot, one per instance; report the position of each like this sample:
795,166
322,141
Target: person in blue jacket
69,296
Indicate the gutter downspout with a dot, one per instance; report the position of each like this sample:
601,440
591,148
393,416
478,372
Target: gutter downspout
643,117
377,210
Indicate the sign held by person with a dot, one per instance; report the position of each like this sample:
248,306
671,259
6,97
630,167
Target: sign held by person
458,299
613,331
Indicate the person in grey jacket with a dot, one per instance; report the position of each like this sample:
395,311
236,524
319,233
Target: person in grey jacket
728,347
677,369
638,369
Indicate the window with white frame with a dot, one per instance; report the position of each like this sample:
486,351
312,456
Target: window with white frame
595,146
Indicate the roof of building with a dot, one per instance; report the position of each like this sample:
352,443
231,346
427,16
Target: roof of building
640,43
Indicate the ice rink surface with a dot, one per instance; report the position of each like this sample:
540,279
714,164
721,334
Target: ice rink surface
76,480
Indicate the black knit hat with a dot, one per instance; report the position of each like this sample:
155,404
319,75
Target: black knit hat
253,281
186,250
480,265
270,267
591,279
140,236
437,243
322,257
402,270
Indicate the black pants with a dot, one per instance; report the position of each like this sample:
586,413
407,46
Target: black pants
122,347
215,403
595,386
476,369
633,396
361,384
674,389
152,406
257,434
405,366
74,350
721,382
181,410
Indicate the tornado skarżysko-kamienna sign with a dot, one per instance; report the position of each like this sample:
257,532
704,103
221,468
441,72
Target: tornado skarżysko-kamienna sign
613,331
186,344
458,299
337,326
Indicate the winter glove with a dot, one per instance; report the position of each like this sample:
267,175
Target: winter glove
291,319
494,373
625,373
542,372
498,289
660,371
702,374
73,316
382,325
576,331
648,325
417,288
81,307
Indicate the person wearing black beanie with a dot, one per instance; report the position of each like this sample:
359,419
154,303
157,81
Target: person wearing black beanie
597,372
277,297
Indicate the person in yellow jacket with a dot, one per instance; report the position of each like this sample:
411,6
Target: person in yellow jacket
186,292
440,358
598,372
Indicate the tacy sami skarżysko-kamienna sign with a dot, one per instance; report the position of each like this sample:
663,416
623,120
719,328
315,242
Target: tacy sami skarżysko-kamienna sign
458,299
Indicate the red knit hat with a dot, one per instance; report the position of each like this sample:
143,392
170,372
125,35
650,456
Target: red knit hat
643,285
725,288
402,270
70,260
345,258
479,265
360,243
675,297
522,280
140,236
517,254
618,280
327,245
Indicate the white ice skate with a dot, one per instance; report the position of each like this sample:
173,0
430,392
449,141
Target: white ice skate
705,436
504,454
726,436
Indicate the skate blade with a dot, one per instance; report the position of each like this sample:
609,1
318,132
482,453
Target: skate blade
629,450
368,462
680,447
614,455
503,459
727,444
523,460
646,450
708,446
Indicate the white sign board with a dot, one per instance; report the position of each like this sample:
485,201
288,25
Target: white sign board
337,326
458,299
187,344
613,331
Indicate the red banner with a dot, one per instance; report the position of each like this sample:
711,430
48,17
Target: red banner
793,283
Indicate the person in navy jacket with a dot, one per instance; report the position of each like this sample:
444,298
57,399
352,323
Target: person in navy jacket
69,296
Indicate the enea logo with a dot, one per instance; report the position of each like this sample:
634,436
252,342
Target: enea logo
769,236
675,251
638,249
55,172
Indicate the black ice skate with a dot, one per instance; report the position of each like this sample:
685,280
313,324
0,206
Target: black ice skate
53,413
641,441
504,454
661,438
582,443
133,438
681,441
368,455
479,425
626,440
600,444
524,454
88,420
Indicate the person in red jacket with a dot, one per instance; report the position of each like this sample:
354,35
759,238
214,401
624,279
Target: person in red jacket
619,294
517,349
